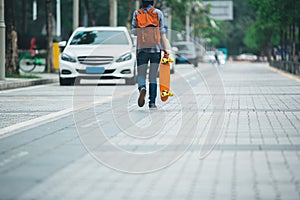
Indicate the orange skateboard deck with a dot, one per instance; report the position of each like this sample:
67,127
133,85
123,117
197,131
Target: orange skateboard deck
164,78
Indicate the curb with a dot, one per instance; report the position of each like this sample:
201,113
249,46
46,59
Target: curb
25,83
284,73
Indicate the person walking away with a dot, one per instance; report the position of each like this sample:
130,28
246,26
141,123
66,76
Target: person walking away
148,26
216,56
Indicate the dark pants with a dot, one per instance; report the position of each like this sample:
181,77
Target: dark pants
142,61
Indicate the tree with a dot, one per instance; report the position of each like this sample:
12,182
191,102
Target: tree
49,26
90,13
11,50
131,6
277,19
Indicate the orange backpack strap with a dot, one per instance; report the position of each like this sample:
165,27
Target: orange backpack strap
140,11
151,10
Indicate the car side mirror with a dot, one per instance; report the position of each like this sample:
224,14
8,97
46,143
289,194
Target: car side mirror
62,45
174,49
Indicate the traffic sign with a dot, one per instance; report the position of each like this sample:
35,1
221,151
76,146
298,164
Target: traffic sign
220,10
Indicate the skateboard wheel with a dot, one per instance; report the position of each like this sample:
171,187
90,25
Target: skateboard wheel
164,93
164,60
171,60
171,94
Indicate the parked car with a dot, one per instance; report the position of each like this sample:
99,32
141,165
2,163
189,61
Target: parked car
247,57
209,56
186,52
98,52
172,55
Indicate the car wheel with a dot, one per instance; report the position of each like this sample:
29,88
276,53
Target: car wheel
195,63
66,81
172,71
130,81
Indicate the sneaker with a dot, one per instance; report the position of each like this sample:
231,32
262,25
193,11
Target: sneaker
152,106
141,100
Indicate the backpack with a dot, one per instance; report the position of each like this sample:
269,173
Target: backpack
148,33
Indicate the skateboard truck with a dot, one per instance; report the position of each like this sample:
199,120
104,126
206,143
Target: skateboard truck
166,93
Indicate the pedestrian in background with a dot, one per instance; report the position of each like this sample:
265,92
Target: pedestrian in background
148,26
216,55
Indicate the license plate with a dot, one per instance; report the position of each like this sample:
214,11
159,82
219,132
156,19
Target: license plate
95,70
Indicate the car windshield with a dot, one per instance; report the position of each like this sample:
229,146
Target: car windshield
99,37
184,47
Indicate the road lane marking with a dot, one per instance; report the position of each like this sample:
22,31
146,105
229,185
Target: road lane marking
54,116
7,131
25,88
12,158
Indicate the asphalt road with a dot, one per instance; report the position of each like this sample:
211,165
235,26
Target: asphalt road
230,132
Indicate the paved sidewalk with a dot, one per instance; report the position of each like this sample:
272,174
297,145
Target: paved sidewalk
11,83
257,156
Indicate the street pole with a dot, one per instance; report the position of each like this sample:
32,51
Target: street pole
2,41
187,26
58,18
137,4
75,14
34,10
187,22
170,25
113,20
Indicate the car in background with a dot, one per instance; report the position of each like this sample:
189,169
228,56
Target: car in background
172,51
221,57
98,52
186,52
247,57
209,57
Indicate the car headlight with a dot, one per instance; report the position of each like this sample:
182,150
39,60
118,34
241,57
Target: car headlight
68,58
125,57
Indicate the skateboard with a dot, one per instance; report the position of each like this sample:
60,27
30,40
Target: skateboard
164,78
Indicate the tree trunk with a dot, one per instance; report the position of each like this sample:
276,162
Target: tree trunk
285,44
299,40
90,14
49,27
11,50
131,4
294,56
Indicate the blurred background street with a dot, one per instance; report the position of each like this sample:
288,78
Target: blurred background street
256,157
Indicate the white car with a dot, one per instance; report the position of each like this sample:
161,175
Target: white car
209,56
186,52
98,52
247,57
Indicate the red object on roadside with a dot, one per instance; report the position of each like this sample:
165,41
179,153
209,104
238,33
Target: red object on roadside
33,47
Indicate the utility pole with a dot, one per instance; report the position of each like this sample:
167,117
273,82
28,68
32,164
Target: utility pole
137,4
113,14
75,14
187,25
34,10
58,18
169,23
2,41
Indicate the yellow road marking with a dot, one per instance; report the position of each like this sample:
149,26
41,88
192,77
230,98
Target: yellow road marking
286,74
